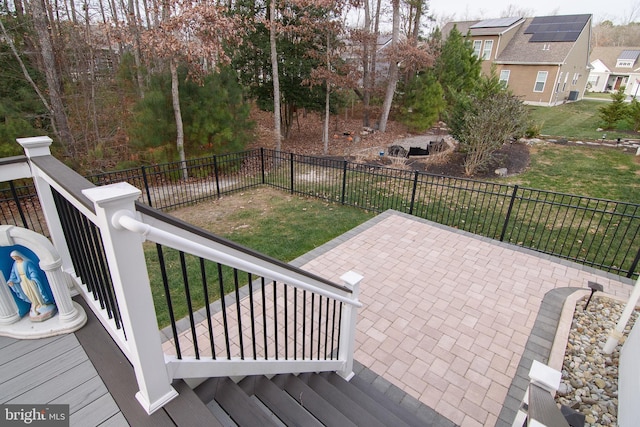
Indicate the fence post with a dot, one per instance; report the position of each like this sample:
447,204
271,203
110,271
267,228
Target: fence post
634,264
291,167
506,220
127,266
344,181
349,317
146,184
413,192
215,174
262,165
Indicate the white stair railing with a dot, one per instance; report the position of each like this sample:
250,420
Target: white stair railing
112,209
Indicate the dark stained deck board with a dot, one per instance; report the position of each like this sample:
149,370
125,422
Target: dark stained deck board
119,378
116,372
190,403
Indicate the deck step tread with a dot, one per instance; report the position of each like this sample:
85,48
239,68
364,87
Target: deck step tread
279,402
385,402
341,401
369,402
242,410
311,401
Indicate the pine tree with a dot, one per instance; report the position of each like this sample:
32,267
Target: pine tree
457,68
423,102
614,111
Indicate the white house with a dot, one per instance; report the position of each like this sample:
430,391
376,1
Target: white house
613,67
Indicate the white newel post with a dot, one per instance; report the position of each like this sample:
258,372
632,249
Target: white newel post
36,147
125,256
348,325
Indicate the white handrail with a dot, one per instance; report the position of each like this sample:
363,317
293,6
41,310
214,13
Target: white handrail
125,219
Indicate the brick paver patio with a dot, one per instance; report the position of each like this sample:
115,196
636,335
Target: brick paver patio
446,314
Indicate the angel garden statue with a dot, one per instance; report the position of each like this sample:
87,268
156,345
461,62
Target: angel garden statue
26,283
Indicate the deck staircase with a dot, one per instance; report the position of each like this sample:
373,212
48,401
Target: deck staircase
302,400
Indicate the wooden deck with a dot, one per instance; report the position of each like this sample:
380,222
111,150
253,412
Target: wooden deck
87,371
56,370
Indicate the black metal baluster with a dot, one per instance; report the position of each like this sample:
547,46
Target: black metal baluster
187,295
205,291
238,311
224,311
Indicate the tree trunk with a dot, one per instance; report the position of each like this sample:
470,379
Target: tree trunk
132,22
175,97
274,73
393,68
366,66
25,72
53,79
325,130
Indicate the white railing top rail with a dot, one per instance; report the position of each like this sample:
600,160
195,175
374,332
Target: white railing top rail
215,251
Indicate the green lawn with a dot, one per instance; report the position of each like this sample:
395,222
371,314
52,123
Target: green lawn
271,221
583,170
577,121
286,226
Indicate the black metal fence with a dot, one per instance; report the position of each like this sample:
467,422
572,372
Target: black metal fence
595,232
19,205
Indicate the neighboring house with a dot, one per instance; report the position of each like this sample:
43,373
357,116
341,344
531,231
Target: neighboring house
353,55
613,67
544,60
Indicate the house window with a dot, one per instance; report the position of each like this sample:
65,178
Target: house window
477,45
566,78
504,77
541,79
486,52
576,76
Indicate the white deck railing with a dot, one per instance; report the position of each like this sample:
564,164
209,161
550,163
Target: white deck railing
112,209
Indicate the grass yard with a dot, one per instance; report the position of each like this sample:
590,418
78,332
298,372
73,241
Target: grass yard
271,221
577,121
583,170
286,226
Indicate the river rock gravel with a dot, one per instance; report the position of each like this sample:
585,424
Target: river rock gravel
589,377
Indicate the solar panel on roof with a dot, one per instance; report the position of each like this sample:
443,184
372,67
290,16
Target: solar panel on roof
555,37
494,23
564,28
629,54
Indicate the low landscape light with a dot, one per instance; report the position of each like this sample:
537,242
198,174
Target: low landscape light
594,287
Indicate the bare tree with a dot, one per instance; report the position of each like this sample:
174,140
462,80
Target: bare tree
632,14
274,73
367,36
196,36
393,68
41,24
517,10
9,40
